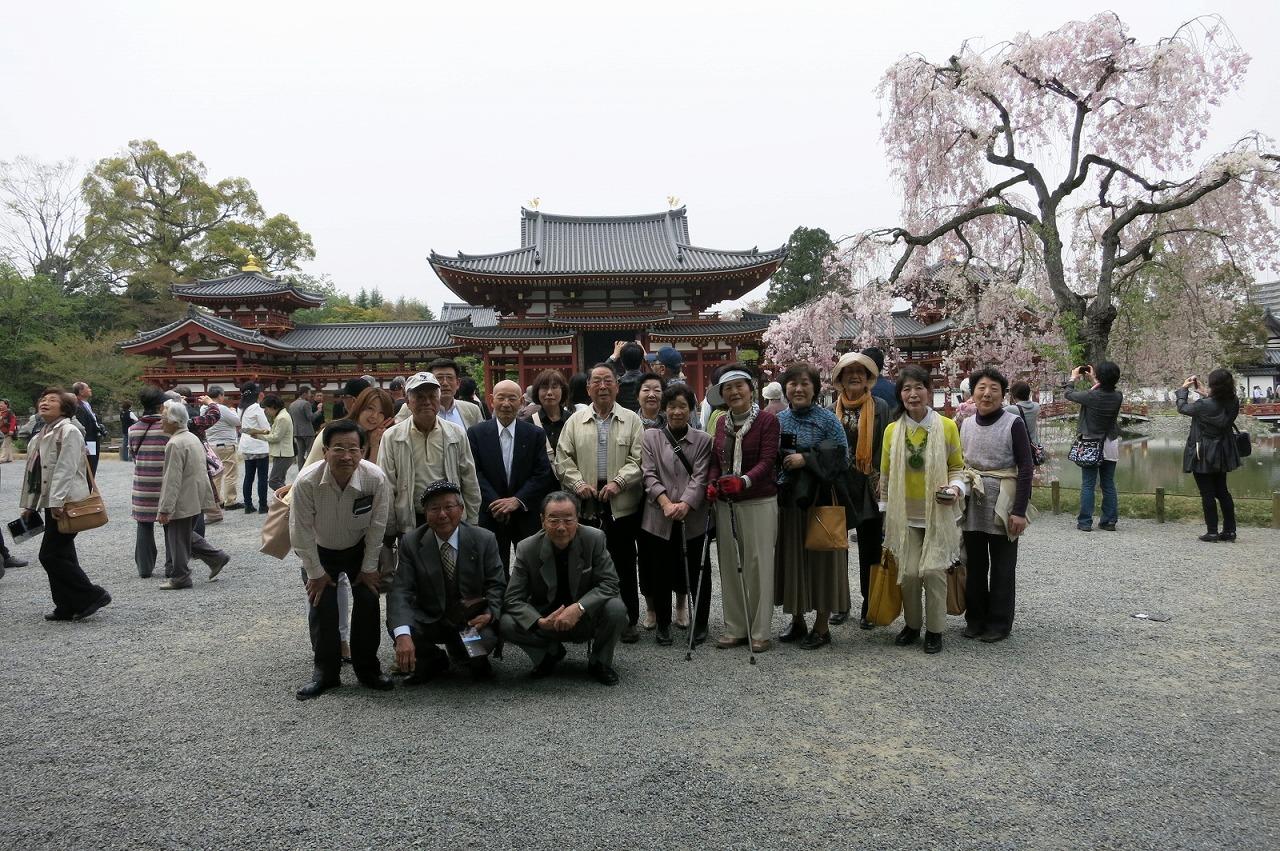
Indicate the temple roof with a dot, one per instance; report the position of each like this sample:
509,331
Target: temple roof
604,245
211,323
453,311
370,336
245,284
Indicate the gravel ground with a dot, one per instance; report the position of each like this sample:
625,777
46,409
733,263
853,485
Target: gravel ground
169,721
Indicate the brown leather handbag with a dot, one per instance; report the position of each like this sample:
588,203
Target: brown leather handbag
957,575
81,515
825,530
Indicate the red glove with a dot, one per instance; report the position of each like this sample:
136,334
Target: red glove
713,493
732,485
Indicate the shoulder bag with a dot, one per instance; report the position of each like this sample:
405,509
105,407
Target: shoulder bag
1244,444
1038,453
81,515
884,597
1085,451
825,530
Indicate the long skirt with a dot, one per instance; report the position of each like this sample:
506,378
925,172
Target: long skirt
805,580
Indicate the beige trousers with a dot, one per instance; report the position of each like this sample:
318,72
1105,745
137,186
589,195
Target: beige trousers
934,585
758,532
6,450
226,485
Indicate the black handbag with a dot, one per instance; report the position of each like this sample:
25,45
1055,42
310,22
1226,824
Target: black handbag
1039,454
1086,451
1244,444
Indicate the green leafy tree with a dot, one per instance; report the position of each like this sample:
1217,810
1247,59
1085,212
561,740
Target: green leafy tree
154,218
802,276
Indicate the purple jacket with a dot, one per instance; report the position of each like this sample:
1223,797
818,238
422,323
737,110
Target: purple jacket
759,455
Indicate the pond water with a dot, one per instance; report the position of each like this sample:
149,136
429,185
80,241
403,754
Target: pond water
1147,463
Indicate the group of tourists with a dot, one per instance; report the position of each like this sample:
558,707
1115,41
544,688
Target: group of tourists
545,519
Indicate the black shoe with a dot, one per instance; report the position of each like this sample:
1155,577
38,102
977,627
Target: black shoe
816,639
699,635
907,636
549,662
797,631
262,510
603,674
11,562
663,638
317,687
1211,537
972,631
104,600
932,642
481,669
838,618
1107,527
1227,537
1084,528
233,506
249,509
630,635
863,623
991,636
427,669
378,682
57,615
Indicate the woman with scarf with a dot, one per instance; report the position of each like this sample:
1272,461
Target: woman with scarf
742,482
549,410
815,456
864,417
922,487
649,395
997,449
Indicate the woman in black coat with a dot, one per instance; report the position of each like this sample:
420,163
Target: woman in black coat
1211,450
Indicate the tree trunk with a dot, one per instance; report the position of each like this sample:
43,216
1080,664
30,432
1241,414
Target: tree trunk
1095,329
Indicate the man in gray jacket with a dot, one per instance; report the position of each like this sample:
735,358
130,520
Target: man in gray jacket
302,411
185,493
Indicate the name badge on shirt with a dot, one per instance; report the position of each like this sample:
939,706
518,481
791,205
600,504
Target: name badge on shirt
363,505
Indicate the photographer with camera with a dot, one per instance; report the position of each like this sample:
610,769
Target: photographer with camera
1099,424
1211,450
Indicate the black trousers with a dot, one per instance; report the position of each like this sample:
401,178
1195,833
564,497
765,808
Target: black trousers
428,637
93,461
620,539
1213,490
870,545
509,534
366,618
989,589
256,467
71,589
670,565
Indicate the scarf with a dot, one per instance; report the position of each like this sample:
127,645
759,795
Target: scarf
866,411
738,433
941,533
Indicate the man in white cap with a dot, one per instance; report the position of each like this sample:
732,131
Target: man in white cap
423,449
772,392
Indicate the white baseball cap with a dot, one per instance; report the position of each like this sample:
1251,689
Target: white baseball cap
420,378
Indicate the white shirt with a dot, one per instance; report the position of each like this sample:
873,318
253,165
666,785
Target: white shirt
225,430
256,418
404,629
453,415
322,514
507,442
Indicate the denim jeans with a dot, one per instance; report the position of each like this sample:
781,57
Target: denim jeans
1110,503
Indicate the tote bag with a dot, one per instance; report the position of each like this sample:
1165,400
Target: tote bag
884,597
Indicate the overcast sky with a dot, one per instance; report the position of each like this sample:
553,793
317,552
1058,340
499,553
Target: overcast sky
390,129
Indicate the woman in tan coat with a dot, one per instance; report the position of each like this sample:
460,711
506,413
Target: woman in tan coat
57,472
185,493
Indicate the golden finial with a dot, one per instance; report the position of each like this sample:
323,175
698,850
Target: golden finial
251,265
673,201
533,203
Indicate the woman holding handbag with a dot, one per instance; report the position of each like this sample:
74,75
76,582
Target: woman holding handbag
864,417
922,485
1211,450
1097,446
57,473
815,458
997,449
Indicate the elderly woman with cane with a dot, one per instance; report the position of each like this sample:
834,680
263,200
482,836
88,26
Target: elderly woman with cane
673,463
864,417
743,484
815,456
922,484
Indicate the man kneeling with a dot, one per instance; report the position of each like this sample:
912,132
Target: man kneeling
564,588
447,590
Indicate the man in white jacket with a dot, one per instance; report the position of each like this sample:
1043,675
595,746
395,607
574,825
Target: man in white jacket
423,449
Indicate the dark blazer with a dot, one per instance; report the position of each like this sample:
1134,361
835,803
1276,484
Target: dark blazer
1211,445
532,590
93,430
417,594
531,476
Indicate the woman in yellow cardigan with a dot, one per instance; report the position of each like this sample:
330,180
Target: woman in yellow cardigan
922,488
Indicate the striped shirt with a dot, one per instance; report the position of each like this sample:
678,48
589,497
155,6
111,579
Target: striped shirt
147,441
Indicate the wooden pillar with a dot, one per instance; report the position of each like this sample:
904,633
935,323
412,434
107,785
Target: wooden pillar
1055,496
1159,505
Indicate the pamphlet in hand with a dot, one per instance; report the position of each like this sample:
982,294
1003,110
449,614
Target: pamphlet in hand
471,639
23,529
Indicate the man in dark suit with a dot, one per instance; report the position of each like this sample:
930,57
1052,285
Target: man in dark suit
513,470
563,588
93,430
449,582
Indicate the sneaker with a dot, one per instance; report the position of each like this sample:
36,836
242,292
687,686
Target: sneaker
1210,537
1107,527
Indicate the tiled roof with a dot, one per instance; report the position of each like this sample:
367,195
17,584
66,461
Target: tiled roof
710,329
369,336
453,311
243,284
905,327
562,245
463,332
212,323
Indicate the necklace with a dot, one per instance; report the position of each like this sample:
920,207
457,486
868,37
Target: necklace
915,454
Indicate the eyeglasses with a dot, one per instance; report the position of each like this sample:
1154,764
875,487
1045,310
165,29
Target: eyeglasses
444,509
560,522
344,450
597,382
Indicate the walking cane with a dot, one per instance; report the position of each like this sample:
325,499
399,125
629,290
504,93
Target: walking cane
704,563
742,579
